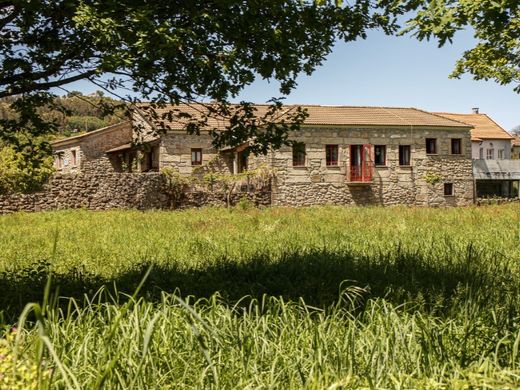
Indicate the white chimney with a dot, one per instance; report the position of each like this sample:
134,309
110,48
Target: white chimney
475,110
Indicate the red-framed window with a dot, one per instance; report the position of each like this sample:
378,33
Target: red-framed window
298,155
332,155
196,156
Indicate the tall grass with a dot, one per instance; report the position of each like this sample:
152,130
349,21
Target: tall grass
324,297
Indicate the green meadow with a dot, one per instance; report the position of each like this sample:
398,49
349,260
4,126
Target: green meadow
242,298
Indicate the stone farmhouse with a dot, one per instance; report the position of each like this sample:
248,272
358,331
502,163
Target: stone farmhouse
345,155
495,171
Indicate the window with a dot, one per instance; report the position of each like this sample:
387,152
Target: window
404,154
481,153
196,156
298,155
431,146
456,146
500,154
490,154
73,158
331,155
448,189
58,161
379,155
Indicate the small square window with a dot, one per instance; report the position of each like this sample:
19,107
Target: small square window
331,155
456,147
404,155
448,189
380,155
196,156
298,155
431,146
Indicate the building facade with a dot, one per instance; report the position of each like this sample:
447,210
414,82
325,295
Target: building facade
344,155
496,173
347,155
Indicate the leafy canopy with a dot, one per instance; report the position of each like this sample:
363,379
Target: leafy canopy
172,51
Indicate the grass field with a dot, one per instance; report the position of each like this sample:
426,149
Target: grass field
324,297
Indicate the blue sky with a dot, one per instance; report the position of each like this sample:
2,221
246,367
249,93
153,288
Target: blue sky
395,72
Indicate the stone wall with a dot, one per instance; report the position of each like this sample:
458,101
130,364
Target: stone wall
116,191
317,183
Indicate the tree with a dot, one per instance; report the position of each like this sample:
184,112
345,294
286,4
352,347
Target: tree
496,26
168,51
172,51
516,131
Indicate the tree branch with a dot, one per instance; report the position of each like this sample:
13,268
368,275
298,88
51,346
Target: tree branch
45,86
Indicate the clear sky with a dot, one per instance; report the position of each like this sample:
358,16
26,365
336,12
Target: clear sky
395,72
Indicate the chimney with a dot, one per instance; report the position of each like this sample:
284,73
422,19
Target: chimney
475,110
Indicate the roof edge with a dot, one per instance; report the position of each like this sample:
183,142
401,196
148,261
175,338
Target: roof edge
90,133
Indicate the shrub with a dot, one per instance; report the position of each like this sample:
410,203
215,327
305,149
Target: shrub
17,174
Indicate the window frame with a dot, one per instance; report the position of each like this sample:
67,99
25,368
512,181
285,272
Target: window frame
501,153
383,148
490,153
409,162
196,162
74,157
459,140
428,143
329,162
451,191
299,150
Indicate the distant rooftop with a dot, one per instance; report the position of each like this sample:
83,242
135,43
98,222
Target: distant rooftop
484,126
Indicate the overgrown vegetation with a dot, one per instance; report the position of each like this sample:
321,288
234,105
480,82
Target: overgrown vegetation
74,113
18,174
324,297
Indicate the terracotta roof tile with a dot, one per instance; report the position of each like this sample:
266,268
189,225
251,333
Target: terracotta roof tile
333,116
516,141
484,126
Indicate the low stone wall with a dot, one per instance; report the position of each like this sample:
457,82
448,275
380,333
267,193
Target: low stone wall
140,191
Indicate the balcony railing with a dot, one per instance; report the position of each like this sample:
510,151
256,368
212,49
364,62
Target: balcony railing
361,173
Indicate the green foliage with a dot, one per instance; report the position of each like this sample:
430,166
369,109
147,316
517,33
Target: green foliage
432,178
322,297
496,26
178,52
176,184
16,373
19,175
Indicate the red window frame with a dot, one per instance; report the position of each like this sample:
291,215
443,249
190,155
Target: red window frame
196,156
298,155
332,155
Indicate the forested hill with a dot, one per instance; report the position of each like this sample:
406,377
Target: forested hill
75,113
